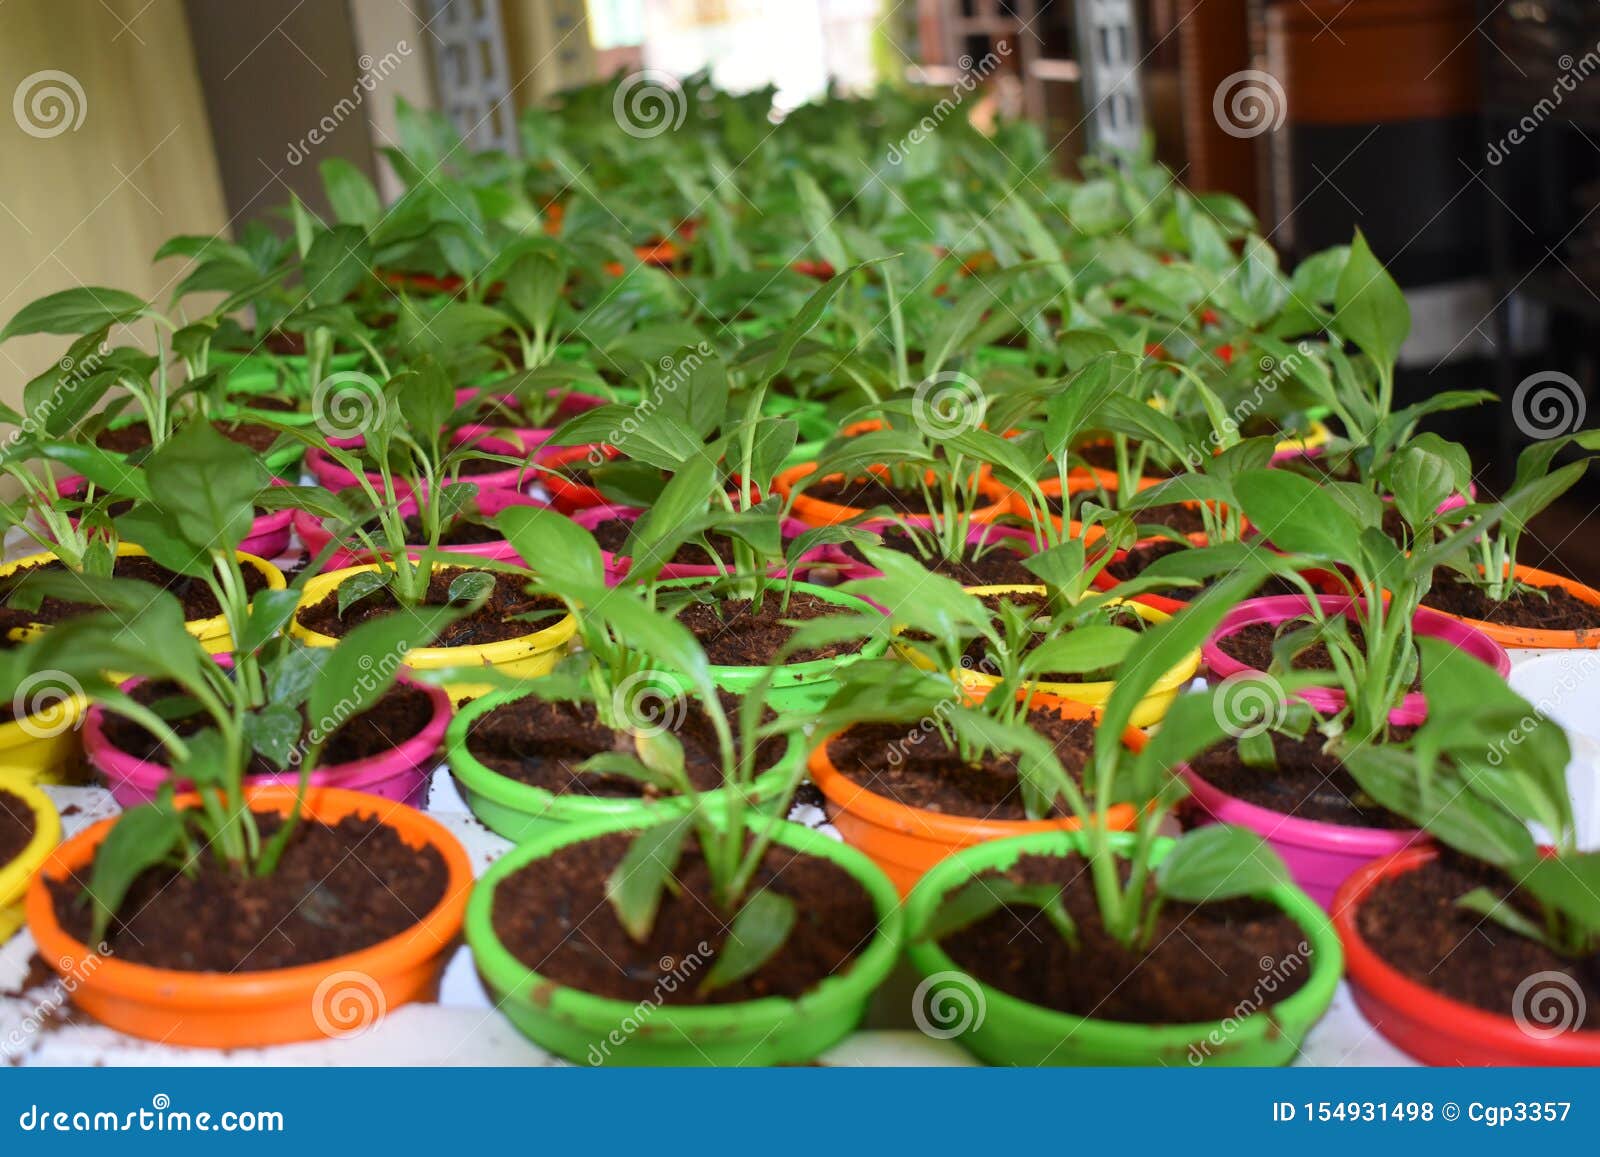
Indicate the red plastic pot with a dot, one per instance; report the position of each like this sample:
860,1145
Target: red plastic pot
268,537
1424,1023
335,477
527,438
1277,609
617,565
1320,856
400,774
567,494
314,536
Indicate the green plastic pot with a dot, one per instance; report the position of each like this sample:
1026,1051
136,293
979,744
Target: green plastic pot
519,811
1003,1030
796,687
264,373
598,1030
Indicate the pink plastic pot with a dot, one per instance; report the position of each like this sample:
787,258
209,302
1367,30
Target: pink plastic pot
1318,855
1282,608
617,566
314,536
401,774
852,568
268,537
527,438
335,477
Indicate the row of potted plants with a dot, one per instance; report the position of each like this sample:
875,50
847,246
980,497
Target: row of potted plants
813,490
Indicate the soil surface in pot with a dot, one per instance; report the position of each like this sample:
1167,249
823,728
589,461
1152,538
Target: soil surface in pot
466,530
866,493
16,826
498,619
136,436
1134,562
1203,963
1307,783
401,713
1540,608
919,770
1252,646
554,917
735,635
122,506
542,743
1413,921
197,599
337,889
996,563
1103,456
1174,516
612,535
1036,604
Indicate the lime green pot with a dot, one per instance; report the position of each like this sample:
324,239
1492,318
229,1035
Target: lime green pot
1003,1030
264,373
796,687
519,811
598,1030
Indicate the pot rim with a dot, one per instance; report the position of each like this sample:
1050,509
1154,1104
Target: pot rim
18,872
1509,635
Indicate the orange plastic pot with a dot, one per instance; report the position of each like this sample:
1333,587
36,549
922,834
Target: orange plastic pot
906,841
250,1009
815,512
1511,636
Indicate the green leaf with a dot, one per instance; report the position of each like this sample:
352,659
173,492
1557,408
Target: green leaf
273,732
759,930
207,485
365,663
359,586
338,262
984,895
1297,515
75,311
1370,309
472,587
354,200
563,554
636,884
1571,885
141,838
270,612
1219,862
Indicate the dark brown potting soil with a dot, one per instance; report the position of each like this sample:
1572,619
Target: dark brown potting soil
401,713
554,917
135,436
196,597
866,493
500,618
1544,609
977,652
735,635
337,889
1133,563
1204,962
1413,921
1103,456
1252,646
996,563
1306,783
918,768
16,826
463,531
612,535
542,743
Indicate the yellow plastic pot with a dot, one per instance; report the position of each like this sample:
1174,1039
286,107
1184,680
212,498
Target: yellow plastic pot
43,746
525,656
16,875
212,632
1151,709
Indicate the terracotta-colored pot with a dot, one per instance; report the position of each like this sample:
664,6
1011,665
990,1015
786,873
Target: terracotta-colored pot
1522,638
815,512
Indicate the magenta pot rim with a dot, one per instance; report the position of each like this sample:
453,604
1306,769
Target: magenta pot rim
137,780
335,477
854,569
1286,829
1276,609
488,501
591,516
